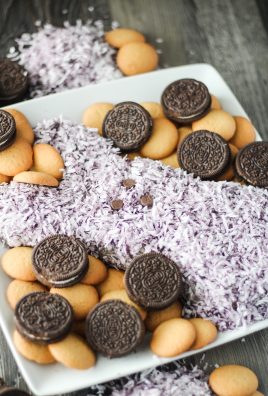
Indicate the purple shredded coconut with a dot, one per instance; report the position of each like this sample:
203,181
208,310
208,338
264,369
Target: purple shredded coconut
178,381
63,58
216,231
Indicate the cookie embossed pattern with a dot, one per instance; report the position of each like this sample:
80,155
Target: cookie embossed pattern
251,163
114,329
13,81
43,317
186,100
60,261
100,170
128,125
153,281
8,130
205,154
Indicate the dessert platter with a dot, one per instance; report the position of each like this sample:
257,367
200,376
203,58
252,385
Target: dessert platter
136,207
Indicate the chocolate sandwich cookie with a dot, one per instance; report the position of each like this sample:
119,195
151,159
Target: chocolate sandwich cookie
7,129
128,125
60,261
205,154
252,164
186,100
13,82
114,328
43,317
153,281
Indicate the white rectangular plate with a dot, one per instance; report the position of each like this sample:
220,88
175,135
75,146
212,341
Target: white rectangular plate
55,378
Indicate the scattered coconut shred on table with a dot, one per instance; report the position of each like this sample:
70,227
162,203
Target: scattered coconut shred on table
60,58
175,379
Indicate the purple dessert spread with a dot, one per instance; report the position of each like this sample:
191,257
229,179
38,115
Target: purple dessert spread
215,231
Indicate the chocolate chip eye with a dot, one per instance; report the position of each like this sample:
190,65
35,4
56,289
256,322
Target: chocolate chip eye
147,200
117,204
128,183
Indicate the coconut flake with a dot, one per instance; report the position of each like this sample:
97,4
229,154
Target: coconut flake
215,231
175,379
63,58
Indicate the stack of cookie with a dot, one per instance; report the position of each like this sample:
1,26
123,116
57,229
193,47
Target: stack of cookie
40,164
134,55
69,305
48,297
61,294
188,129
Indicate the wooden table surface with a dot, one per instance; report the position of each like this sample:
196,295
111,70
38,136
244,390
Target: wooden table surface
232,35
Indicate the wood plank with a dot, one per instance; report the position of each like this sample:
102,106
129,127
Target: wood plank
156,20
19,16
230,34
222,33
8,368
263,10
251,351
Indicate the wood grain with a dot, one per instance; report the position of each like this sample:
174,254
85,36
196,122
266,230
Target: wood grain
232,35
222,33
19,16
